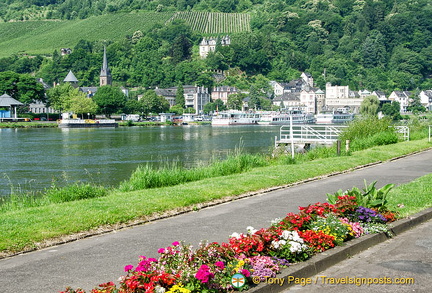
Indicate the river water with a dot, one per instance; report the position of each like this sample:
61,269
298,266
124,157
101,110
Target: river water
34,158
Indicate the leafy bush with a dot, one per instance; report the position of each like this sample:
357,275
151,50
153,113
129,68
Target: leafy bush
369,197
367,127
369,132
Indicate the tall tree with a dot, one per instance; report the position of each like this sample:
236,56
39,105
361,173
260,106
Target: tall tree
369,106
180,99
80,104
58,96
109,99
22,87
152,103
235,101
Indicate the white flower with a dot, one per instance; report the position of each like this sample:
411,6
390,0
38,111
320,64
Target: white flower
296,237
251,230
282,242
285,234
159,289
276,221
235,235
295,247
275,244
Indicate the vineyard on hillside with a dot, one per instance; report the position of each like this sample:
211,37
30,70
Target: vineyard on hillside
215,23
43,37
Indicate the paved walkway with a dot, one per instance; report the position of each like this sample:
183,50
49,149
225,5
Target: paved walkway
89,262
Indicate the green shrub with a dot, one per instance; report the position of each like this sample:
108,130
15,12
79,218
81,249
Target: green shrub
364,128
369,132
73,192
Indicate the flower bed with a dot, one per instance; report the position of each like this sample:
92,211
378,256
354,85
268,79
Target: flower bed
255,255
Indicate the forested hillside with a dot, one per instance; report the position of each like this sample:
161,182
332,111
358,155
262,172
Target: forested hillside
376,45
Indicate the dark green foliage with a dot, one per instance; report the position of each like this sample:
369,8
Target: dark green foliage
377,45
22,87
109,99
392,110
368,132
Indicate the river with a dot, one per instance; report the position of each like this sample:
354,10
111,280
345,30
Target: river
35,158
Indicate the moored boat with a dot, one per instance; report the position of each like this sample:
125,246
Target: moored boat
334,118
235,118
278,118
86,123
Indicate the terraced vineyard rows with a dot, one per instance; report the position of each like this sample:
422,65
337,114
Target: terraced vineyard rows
43,37
215,23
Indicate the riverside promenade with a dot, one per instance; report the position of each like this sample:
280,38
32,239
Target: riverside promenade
88,262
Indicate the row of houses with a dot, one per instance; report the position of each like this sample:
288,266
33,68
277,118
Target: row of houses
302,93
294,94
298,93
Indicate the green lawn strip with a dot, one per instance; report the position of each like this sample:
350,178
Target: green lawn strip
25,228
28,125
412,197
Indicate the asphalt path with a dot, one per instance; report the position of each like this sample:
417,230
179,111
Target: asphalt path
88,262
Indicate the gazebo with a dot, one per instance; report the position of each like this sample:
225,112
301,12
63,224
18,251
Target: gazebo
8,101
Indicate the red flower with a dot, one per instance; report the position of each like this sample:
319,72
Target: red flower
318,240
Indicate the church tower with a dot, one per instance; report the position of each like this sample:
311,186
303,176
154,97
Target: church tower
105,75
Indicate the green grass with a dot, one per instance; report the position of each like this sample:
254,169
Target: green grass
173,174
25,228
412,197
44,37
28,124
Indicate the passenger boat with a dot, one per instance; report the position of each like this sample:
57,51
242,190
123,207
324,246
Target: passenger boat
334,118
235,118
70,120
278,118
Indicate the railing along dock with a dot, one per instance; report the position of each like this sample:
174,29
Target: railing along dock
309,134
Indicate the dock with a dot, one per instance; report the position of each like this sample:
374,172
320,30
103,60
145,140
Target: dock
308,134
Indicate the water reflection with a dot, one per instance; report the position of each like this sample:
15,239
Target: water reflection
109,155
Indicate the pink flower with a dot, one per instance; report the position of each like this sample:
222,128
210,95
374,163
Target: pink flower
245,273
220,264
161,250
128,268
175,243
204,274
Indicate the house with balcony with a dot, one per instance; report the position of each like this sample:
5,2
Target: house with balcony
195,96
223,92
313,99
209,45
288,100
340,97
402,97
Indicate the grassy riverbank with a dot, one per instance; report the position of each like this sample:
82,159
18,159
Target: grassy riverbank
35,227
53,124
31,124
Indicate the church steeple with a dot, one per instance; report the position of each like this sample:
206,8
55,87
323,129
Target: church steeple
105,75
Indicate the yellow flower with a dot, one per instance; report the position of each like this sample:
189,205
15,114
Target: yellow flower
178,289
